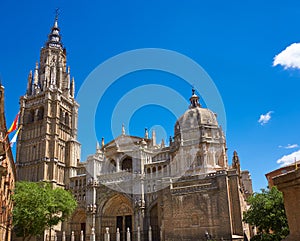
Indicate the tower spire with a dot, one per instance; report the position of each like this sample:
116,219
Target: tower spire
194,100
54,38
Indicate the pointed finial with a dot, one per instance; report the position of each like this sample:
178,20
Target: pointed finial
146,133
153,138
162,143
235,160
123,129
72,88
102,142
36,74
29,83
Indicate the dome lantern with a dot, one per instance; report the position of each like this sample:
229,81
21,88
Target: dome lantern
194,100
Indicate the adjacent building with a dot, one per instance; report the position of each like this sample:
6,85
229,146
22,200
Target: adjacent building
289,184
7,176
279,171
132,186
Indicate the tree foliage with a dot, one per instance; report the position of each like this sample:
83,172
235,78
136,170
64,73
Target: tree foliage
267,213
37,207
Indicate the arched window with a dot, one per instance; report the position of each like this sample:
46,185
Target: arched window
159,170
61,115
112,165
127,164
67,118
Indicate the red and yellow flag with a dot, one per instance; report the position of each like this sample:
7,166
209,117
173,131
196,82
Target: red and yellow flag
14,125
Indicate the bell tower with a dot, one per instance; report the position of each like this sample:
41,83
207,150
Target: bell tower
47,148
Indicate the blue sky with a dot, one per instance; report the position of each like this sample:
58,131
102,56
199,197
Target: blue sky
235,42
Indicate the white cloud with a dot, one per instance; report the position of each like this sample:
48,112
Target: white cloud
264,119
289,146
289,159
289,58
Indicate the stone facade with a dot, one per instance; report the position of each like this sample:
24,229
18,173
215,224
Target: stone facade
7,176
131,186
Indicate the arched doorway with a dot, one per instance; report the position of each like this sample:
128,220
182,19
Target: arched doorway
154,223
117,213
78,222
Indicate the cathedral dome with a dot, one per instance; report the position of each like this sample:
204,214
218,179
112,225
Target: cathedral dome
195,117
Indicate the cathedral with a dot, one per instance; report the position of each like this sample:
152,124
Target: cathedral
132,188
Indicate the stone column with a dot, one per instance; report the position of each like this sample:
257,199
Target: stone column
106,235
118,235
81,236
150,233
138,233
72,236
118,164
92,237
128,235
289,185
63,236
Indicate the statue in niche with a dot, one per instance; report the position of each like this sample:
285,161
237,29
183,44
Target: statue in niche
53,71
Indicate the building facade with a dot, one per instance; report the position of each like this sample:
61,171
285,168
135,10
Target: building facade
184,191
7,176
132,186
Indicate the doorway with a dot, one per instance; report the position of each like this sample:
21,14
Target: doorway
124,222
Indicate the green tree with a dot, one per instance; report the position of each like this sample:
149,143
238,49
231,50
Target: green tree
37,207
267,213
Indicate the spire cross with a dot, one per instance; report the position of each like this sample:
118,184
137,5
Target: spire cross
56,13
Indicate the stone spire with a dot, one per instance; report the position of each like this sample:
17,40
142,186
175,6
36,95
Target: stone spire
235,160
194,100
54,38
29,83
36,85
153,138
72,88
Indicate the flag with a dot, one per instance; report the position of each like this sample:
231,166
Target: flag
14,125
14,139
